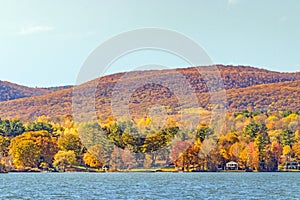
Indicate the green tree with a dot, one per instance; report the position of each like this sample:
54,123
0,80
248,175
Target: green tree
39,126
286,113
251,129
203,132
287,137
11,128
261,141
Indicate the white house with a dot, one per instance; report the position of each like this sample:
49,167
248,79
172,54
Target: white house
232,166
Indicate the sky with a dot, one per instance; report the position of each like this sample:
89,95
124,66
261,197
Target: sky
45,43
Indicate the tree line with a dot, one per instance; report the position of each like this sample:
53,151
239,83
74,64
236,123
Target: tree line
261,141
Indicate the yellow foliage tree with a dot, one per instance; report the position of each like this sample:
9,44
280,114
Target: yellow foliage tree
235,150
90,160
296,149
24,152
64,159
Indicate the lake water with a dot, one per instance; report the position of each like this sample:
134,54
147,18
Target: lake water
150,186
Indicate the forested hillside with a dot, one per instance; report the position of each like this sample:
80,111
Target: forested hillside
245,87
11,91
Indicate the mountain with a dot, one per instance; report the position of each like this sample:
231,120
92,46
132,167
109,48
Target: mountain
245,86
11,91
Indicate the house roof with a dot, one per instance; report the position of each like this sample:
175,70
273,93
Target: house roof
232,162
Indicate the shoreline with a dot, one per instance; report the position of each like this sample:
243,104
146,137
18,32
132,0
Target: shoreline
140,171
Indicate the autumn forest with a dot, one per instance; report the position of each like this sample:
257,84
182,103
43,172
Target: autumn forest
260,130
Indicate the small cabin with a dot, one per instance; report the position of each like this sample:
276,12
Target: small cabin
291,165
232,166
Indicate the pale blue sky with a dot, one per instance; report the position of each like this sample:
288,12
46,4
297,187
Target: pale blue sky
44,43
